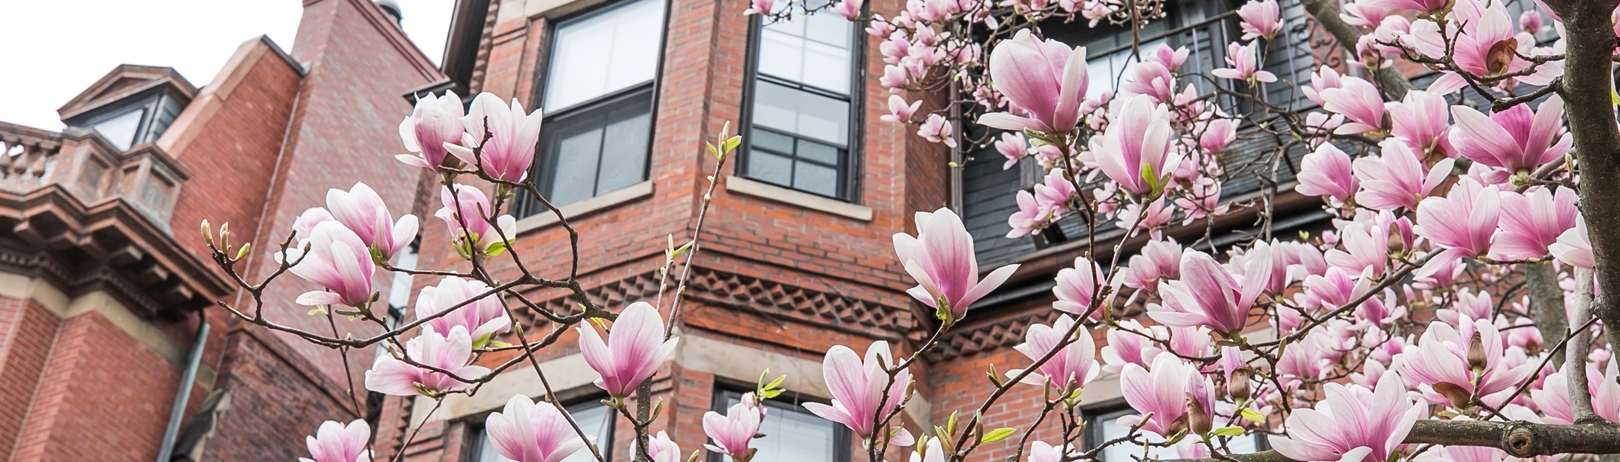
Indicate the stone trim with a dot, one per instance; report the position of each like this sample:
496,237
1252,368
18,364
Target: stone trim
762,190
585,207
968,340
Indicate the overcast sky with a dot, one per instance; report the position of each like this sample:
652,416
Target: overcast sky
50,50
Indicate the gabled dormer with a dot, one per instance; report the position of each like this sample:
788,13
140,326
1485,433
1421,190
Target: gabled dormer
131,105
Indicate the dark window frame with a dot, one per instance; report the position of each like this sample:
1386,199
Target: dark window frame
541,172
472,447
723,392
1094,416
851,165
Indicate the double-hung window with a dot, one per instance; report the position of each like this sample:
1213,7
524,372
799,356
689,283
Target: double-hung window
593,418
804,124
598,102
1102,427
792,434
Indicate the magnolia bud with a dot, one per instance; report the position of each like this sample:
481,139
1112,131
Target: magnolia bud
1459,397
1476,353
1238,386
1197,418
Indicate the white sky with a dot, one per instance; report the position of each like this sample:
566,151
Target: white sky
50,50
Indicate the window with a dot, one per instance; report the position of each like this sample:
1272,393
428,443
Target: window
598,101
1104,426
593,418
120,129
804,120
792,434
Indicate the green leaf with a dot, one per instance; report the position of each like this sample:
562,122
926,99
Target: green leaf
997,435
319,309
1253,416
1229,431
776,383
950,425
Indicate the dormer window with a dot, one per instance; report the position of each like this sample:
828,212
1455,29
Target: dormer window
131,106
120,129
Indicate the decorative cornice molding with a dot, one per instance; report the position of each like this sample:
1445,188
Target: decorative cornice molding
968,340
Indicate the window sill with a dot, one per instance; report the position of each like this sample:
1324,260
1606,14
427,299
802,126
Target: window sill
579,209
747,187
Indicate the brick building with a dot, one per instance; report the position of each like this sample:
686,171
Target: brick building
105,285
797,255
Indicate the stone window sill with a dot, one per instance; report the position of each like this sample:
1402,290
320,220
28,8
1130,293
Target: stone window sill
574,211
747,187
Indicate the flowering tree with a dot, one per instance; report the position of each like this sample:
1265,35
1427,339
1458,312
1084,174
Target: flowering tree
1454,311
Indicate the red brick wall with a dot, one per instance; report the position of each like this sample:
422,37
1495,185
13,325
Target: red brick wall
26,333
277,398
103,396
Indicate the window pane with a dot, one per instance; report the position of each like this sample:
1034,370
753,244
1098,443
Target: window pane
594,420
577,145
801,113
781,55
771,168
816,179
120,130
813,50
818,152
607,52
624,149
792,435
826,67
763,139
1126,452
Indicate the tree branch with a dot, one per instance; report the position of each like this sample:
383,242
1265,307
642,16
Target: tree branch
1390,81
1520,439
1547,299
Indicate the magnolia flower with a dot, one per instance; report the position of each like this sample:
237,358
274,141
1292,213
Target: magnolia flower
1553,396
931,451
1323,79
1261,18
1463,454
1532,222
465,211
434,122
1327,172
1207,295
849,9
1074,365
1076,287
1574,247
1029,217
763,7
1396,179
363,211
732,432
1136,146
1452,366
526,431
1130,344
1013,146
1353,424
1422,6
337,261
1169,399
1217,134
1359,101
1420,120
660,448
335,442
1514,140
1046,78
857,388
482,318
1149,78
1463,221
513,135
1039,451
392,376
1365,248
633,352
1160,260
305,223
942,261
899,111
937,130
1245,65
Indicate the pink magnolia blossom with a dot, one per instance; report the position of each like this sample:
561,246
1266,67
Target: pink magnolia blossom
849,9
363,211
761,7
899,111
633,352
1207,295
1530,21
1054,193
1136,146
1013,146
1074,365
305,223
1440,366
660,448
1160,260
1553,396
1420,120
1261,19
733,431
1168,391
1464,221
335,442
392,376
1327,172
1363,13
857,388
937,130
931,452
1129,344
1532,222
1574,246
514,135
1217,134
1045,78
1463,454
1353,424
1514,140
1149,78
1422,6
1039,451
337,261
465,211
483,318
1245,64
1365,248
942,261
526,431
1077,286
1029,217
1396,178
434,122
1323,79
1171,58
1360,102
